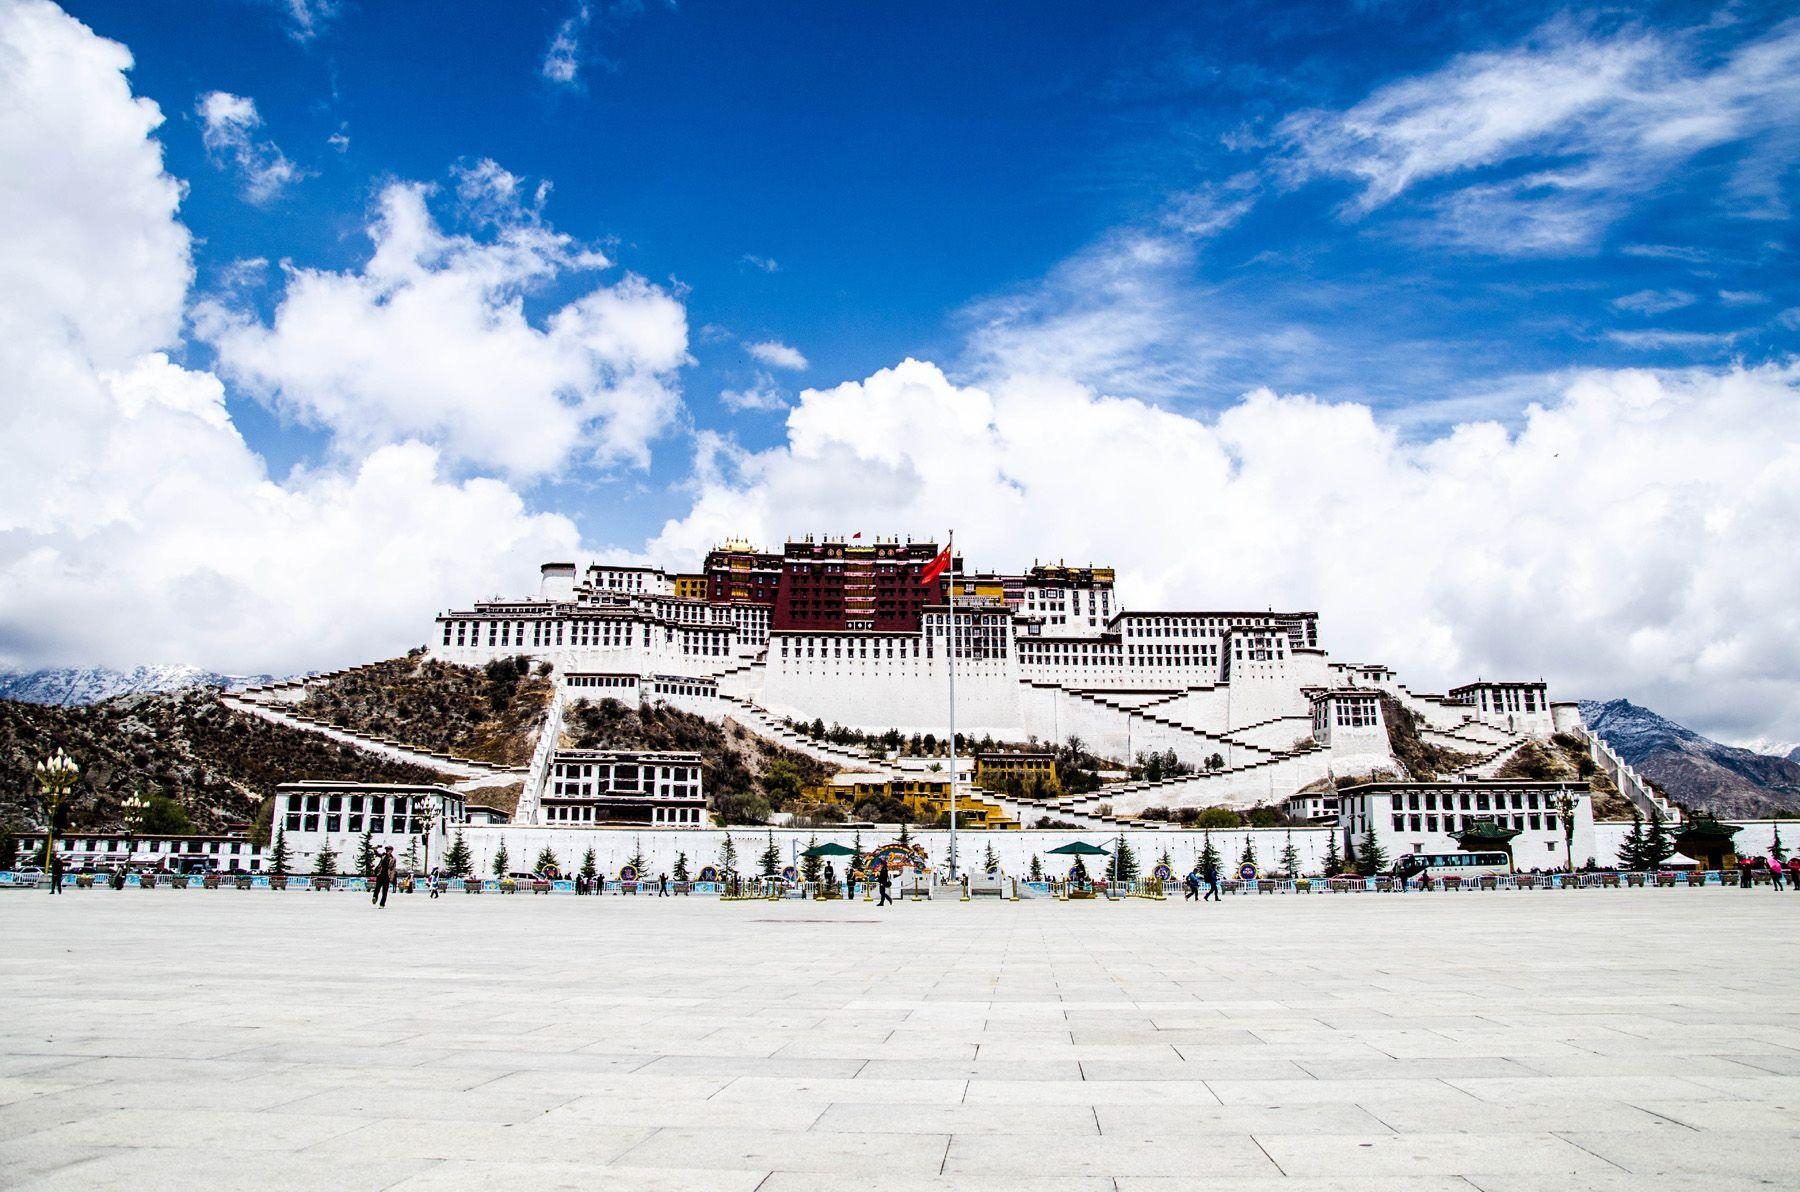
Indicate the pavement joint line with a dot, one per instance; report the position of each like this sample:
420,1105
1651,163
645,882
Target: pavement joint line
1665,1117
1267,1155
1564,1136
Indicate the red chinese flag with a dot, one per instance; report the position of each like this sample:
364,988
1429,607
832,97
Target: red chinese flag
936,567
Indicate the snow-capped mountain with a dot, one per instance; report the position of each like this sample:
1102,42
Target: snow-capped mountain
1695,770
90,684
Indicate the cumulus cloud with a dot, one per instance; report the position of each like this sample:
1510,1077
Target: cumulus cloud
228,125
431,339
135,523
762,395
1625,540
1542,145
776,354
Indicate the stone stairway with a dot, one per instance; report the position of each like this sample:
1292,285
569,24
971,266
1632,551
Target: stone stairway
763,723
1215,742
469,771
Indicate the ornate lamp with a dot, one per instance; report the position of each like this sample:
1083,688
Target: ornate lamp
133,810
57,774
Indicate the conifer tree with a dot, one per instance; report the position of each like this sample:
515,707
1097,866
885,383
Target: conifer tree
590,868
1632,848
1036,872
457,862
1209,856
1290,858
989,862
771,858
1248,857
1334,861
1352,864
278,856
728,854
1776,848
1658,848
502,859
857,845
365,854
905,838
546,861
636,860
325,865
680,872
1125,863
1374,857
809,866
1167,862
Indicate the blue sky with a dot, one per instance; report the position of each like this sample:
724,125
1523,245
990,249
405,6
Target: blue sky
1473,327
900,166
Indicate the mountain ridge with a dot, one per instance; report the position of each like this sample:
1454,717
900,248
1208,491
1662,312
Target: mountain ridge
78,686
1693,770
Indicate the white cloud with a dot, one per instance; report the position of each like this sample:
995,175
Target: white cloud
1662,340
135,523
776,354
1626,540
1790,318
431,340
562,61
1742,298
306,19
1613,114
1653,302
766,264
763,395
228,125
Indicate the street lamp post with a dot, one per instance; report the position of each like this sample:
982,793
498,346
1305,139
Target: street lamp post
57,774
426,818
132,811
1566,806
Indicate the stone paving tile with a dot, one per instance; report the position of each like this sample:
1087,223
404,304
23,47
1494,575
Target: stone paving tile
1311,1045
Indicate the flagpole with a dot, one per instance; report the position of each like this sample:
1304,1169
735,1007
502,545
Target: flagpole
951,568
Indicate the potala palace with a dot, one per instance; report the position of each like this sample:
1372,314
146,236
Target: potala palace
844,632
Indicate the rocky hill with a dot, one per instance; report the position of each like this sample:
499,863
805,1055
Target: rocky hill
71,685
1693,770
206,765
489,713
745,777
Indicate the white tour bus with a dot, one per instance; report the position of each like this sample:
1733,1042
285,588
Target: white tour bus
1411,865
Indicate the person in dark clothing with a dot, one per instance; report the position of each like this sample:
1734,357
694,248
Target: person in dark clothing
849,884
1212,884
1192,882
1746,871
386,866
56,872
662,885
884,884
436,883
830,880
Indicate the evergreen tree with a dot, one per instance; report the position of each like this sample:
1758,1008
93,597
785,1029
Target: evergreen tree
1352,864
905,840
989,862
1632,848
1374,857
1776,848
636,859
1658,848
1248,857
326,863
1036,872
857,845
1167,862
1125,864
771,858
810,867
365,854
1209,856
546,861
457,862
502,859
278,856
681,868
1290,858
728,854
1334,861
590,868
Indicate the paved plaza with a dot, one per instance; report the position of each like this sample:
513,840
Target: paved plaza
1623,1039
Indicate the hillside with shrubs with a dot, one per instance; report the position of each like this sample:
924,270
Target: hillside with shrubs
201,764
489,713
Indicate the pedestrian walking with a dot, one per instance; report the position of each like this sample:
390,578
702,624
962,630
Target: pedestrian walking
884,884
1192,882
386,866
56,872
436,885
1775,871
1746,871
662,885
1212,885
1793,867
849,884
